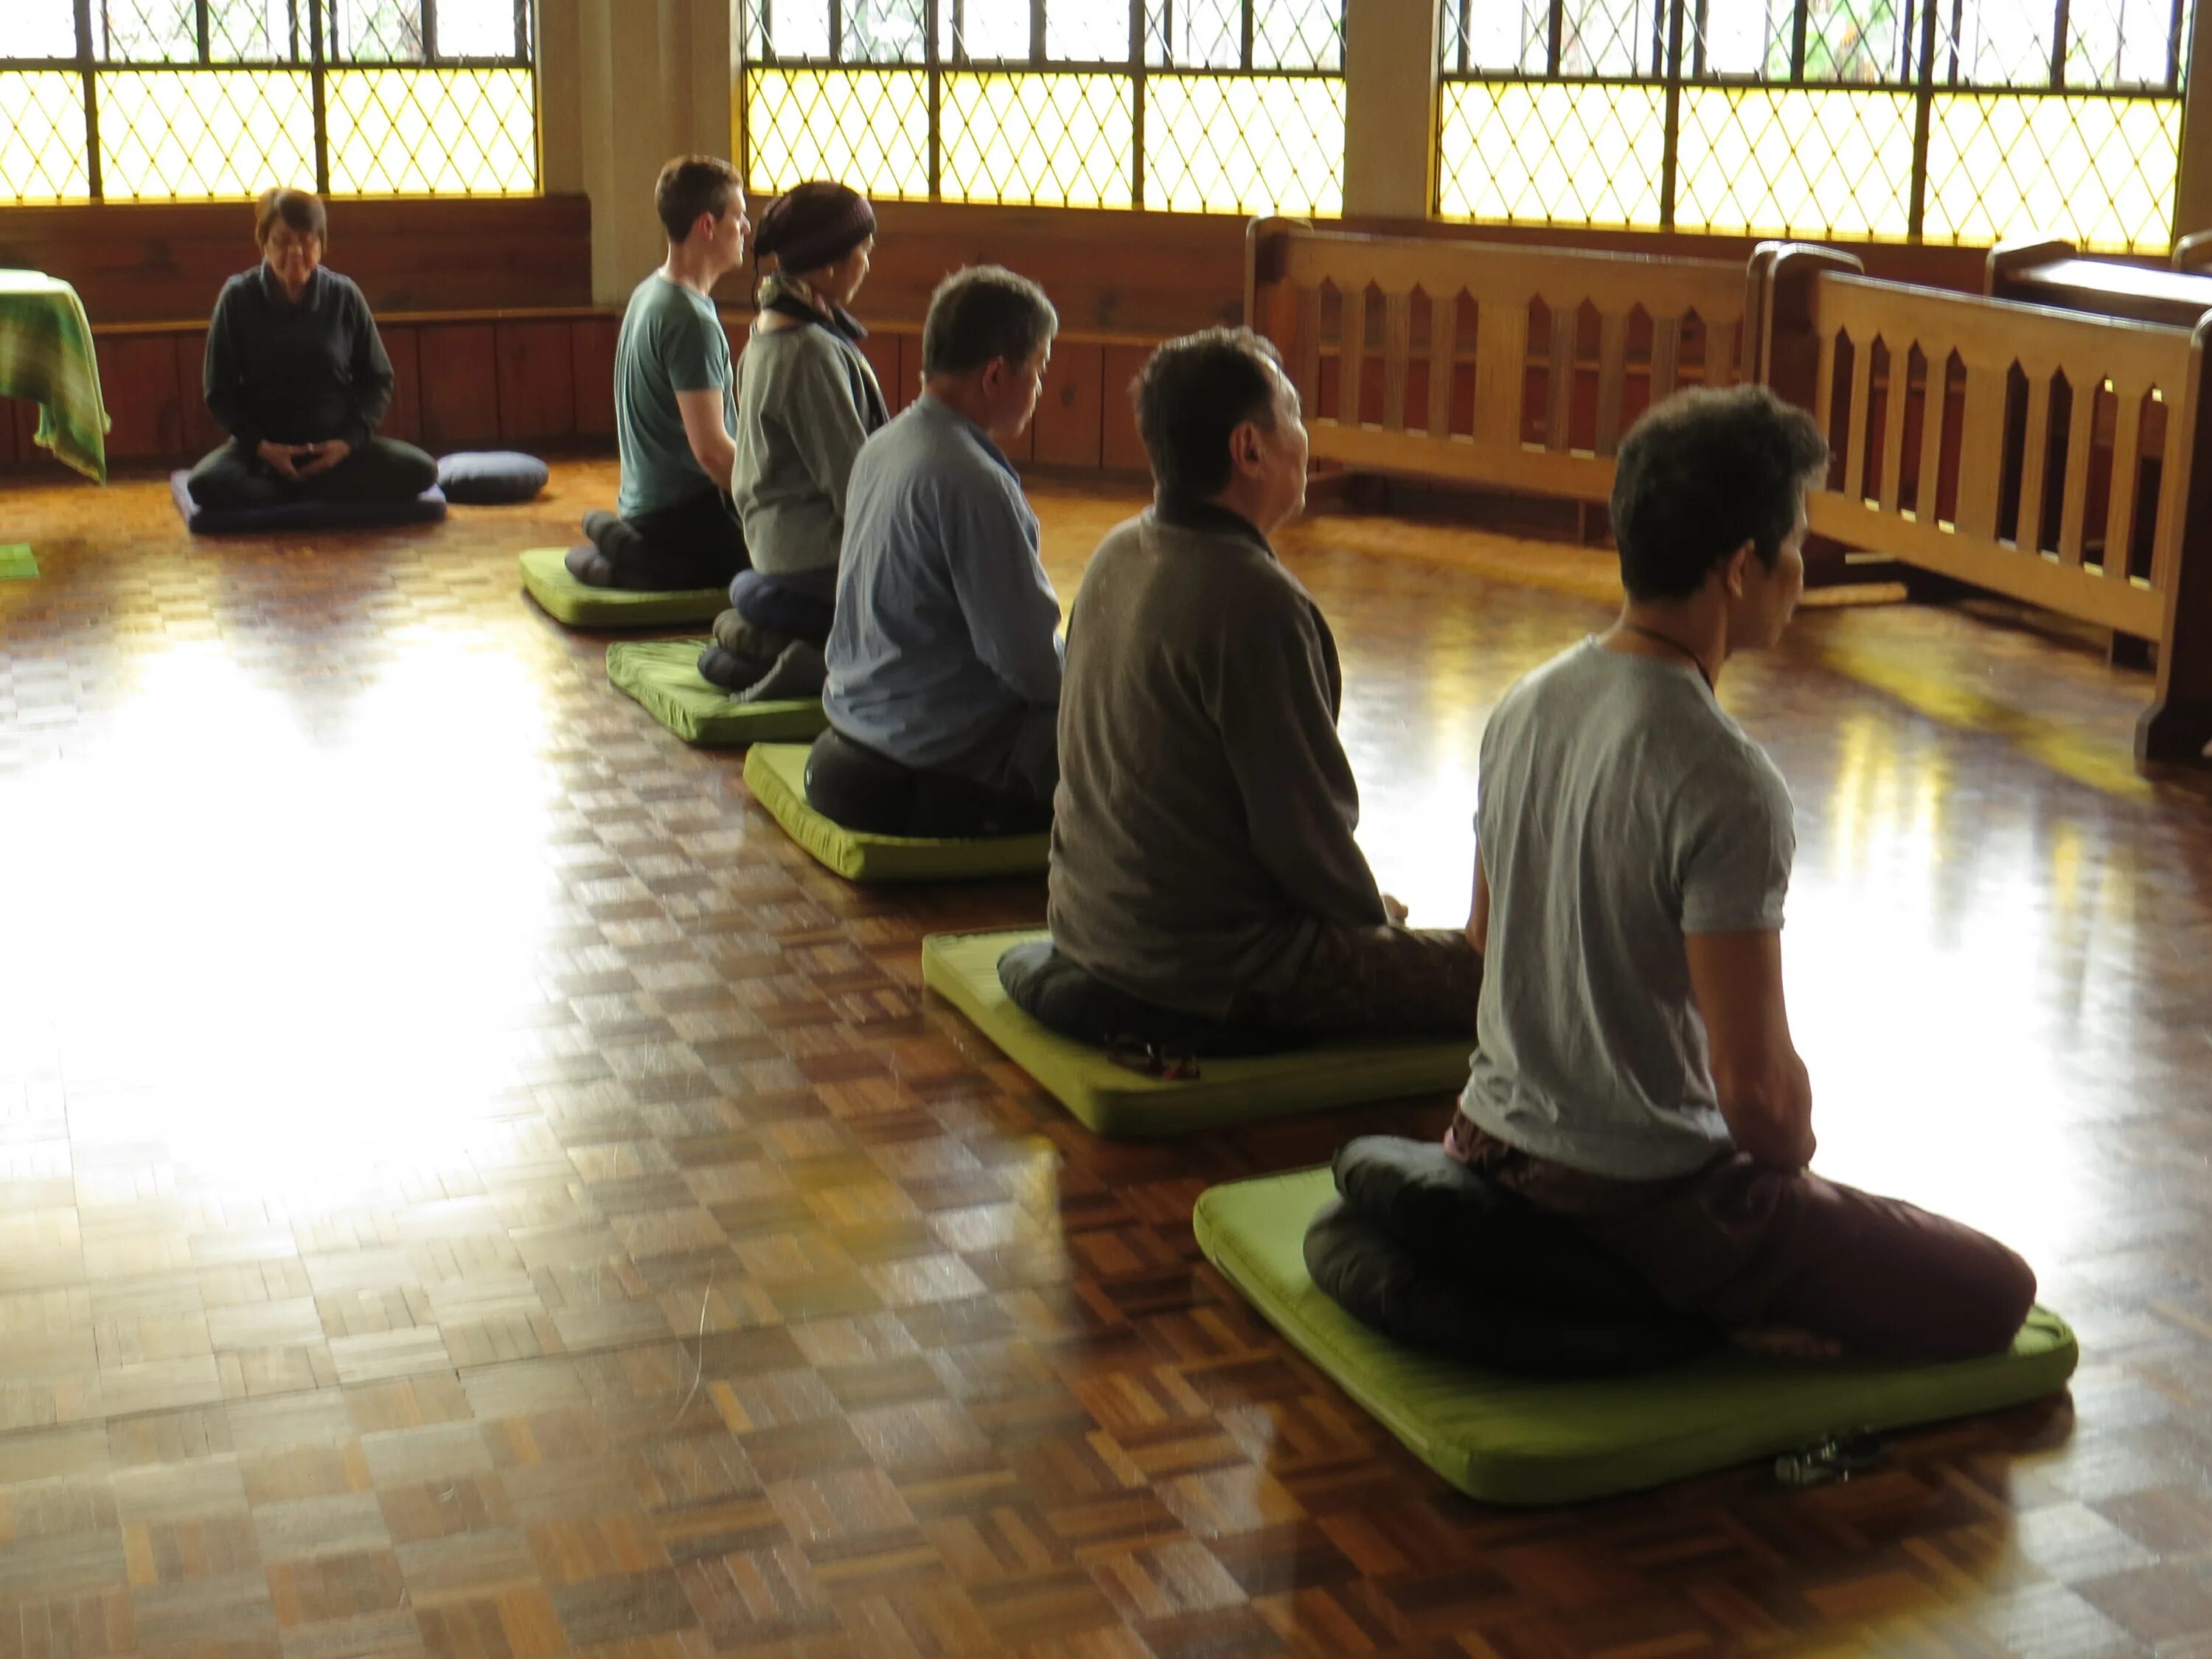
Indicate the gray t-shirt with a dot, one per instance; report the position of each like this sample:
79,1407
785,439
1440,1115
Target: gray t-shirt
672,341
1620,810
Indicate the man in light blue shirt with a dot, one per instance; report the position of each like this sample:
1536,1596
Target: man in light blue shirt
945,662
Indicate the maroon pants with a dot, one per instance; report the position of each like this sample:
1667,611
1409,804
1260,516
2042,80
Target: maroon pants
1746,1244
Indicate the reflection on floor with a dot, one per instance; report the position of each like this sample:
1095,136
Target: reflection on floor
467,1185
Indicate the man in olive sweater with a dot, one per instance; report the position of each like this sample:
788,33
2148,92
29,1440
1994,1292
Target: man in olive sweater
1203,859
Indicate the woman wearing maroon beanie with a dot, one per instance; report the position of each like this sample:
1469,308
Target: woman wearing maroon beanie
806,401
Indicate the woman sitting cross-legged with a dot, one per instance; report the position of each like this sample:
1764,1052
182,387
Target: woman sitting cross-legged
807,402
296,375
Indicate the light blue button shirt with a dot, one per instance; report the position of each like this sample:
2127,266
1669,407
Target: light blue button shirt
946,624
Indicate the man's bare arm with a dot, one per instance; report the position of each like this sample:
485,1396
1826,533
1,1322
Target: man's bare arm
1766,1093
712,445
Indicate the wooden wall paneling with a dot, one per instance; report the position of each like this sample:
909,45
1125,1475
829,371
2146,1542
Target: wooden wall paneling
200,430
13,449
909,372
1120,448
404,419
24,418
882,350
1070,410
139,382
461,385
592,373
165,261
537,379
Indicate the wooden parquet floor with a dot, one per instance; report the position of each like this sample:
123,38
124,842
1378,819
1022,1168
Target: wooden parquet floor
468,1186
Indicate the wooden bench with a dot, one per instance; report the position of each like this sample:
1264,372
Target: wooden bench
2046,271
1510,367
2058,457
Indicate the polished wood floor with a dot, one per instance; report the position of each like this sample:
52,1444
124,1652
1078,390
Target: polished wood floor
469,1187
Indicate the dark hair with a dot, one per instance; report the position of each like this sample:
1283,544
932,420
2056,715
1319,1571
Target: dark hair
981,313
300,210
690,185
1703,473
1191,394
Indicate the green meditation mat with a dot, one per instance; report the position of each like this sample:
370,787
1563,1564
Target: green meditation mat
1519,1440
776,773
16,563
664,676
1116,1102
545,578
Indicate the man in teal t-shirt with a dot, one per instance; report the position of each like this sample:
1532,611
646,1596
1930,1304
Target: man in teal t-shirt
675,401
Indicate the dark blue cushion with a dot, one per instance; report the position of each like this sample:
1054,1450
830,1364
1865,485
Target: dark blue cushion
491,477
427,507
780,608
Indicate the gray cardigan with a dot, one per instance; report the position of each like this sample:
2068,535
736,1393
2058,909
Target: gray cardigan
807,402
1203,829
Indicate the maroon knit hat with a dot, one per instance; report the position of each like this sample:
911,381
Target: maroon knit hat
814,224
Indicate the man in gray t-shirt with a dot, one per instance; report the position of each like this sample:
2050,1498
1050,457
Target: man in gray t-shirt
1636,1069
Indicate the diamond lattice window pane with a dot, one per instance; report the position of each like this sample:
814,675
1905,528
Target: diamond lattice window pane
2100,172
1745,37
878,31
147,30
1298,34
1048,140
1857,41
1507,36
40,28
1245,144
1550,154
432,131
377,31
42,148
2126,43
986,30
1994,43
200,133
255,32
1791,161
799,28
1610,37
476,28
869,128
1086,33
1196,33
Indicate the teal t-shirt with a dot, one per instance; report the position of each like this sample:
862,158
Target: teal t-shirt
672,341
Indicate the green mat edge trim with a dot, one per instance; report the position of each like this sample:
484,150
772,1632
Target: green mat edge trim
727,724
775,773
573,604
17,563
1131,1106
1523,1482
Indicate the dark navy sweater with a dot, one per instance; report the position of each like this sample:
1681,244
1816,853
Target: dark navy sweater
295,373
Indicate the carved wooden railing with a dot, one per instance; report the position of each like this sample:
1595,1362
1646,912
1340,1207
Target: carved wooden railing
2052,456
1490,363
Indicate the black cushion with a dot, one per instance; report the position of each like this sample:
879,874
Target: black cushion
491,477
1067,999
1431,1254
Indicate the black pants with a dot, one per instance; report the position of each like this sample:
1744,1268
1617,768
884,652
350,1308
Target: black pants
697,543
382,470
850,784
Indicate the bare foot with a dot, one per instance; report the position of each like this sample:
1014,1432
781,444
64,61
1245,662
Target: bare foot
1785,1340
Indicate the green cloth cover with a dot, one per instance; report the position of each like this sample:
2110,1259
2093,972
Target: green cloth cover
1114,1101
16,563
545,578
1516,1440
47,358
664,676
776,773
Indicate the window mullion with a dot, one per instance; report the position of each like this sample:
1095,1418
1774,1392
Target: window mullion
1672,121
933,69
2059,25
318,97
1916,210
94,187
1138,53
1800,18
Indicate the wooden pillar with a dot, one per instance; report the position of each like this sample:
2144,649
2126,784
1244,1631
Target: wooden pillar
1389,108
2192,205
636,82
